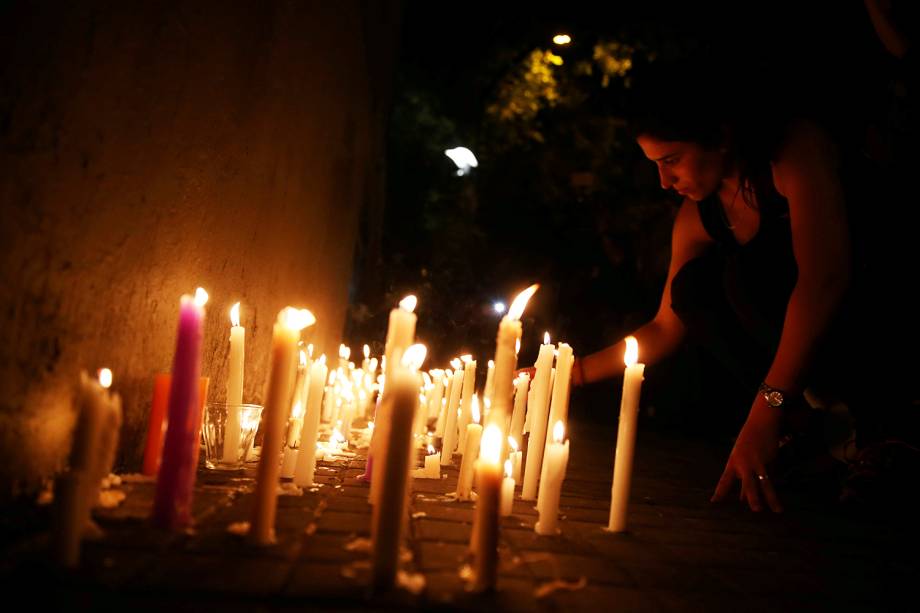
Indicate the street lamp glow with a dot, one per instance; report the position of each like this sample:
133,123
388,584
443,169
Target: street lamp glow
562,39
499,307
463,158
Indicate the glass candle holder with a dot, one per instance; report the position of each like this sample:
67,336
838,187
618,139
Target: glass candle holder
214,430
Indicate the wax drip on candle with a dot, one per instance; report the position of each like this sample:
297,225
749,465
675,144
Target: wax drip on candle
475,409
508,467
513,444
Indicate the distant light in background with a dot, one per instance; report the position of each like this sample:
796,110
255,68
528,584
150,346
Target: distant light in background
562,39
463,158
499,307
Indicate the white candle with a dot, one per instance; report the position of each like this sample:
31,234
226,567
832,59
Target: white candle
432,469
470,454
285,334
521,385
401,400
557,457
538,422
294,427
77,489
437,393
400,335
306,457
509,333
485,530
449,442
507,490
466,397
515,457
559,408
489,388
234,387
626,437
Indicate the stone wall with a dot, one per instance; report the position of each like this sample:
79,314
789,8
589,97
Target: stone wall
152,147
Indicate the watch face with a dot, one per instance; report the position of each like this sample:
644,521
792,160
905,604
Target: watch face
774,398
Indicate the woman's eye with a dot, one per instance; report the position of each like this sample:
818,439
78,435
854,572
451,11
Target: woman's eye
670,161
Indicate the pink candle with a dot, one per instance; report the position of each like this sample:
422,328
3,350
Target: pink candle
176,478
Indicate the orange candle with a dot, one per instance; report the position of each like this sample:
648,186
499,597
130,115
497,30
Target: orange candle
157,423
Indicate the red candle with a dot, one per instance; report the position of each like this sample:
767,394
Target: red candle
176,478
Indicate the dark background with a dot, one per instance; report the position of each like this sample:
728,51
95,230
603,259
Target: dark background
562,196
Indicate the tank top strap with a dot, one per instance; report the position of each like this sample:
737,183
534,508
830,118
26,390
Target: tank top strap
713,220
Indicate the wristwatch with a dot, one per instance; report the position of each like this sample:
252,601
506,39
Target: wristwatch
774,397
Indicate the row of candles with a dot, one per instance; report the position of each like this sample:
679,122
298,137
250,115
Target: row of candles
406,402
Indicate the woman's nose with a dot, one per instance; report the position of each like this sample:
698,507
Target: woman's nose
667,179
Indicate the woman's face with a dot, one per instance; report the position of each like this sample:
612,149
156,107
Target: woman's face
688,168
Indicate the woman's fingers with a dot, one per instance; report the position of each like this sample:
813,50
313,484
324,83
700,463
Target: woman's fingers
766,486
725,484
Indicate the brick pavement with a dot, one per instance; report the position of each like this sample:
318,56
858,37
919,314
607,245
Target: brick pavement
681,554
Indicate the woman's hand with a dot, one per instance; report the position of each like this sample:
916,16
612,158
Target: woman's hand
755,449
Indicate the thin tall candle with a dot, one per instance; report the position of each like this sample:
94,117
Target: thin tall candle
538,422
306,456
234,386
485,532
626,437
509,333
176,477
285,335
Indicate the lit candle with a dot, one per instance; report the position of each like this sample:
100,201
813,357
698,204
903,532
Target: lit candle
432,469
176,477
470,453
366,362
234,387
485,530
285,334
515,457
557,457
559,407
507,490
466,397
111,426
400,335
626,436
294,427
449,442
538,421
490,382
509,332
521,385
437,394
400,399
77,489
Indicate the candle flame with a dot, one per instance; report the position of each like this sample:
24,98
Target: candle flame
631,355
456,364
310,350
490,449
512,443
235,315
558,432
546,338
322,359
336,436
372,365
332,375
414,356
367,351
201,297
344,352
408,303
491,363
296,319
427,379
517,307
430,449
466,358
508,468
303,357
517,346
105,378
370,426
475,409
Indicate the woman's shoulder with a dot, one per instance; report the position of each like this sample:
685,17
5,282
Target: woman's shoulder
806,151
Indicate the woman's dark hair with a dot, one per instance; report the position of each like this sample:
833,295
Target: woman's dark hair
712,102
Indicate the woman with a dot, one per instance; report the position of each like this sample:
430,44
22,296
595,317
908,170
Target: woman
766,270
